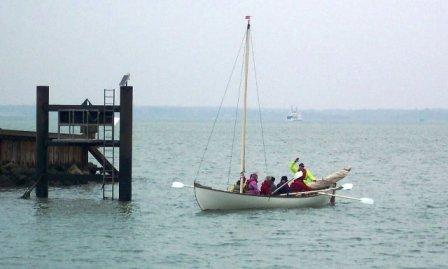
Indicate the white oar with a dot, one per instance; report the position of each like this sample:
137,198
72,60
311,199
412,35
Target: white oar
368,201
296,175
177,184
346,186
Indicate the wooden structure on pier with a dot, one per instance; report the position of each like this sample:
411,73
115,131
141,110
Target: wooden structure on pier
19,147
71,114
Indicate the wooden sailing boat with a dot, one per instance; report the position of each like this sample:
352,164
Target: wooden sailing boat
213,199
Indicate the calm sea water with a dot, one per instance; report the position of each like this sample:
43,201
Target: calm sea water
403,167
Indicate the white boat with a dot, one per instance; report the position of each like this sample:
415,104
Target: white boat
294,115
213,199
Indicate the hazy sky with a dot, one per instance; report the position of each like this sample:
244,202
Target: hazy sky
313,54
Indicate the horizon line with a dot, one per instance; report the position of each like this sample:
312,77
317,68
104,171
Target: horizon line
266,108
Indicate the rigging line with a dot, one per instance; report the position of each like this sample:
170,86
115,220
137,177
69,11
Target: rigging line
234,124
259,106
219,109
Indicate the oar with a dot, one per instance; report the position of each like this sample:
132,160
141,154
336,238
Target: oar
177,184
364,200
27,193
294,177
346,186
276,190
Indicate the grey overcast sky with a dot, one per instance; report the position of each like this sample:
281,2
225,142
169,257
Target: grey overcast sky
313,54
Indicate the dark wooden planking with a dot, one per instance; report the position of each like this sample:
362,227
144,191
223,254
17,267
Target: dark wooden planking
23,153
81,107
96,153
83,142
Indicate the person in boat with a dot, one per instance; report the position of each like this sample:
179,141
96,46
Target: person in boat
293,166
273,186
284,187
307,176
298,184
268,186
252,185
235,187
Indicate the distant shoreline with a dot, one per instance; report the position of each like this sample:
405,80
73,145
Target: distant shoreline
267,108
207,114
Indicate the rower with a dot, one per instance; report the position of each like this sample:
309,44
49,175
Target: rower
283,187
307,176
298,185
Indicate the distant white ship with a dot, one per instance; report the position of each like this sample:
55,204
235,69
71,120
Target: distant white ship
294,115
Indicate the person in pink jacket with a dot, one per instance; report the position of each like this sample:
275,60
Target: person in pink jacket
252,186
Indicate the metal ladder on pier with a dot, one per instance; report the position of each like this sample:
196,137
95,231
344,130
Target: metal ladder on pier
108,171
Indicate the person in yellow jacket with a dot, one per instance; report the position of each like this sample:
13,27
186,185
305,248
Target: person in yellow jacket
307,176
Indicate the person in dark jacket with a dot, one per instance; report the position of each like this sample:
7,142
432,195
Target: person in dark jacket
285,188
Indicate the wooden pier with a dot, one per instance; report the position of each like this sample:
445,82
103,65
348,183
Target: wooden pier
40,149
19,147
101,113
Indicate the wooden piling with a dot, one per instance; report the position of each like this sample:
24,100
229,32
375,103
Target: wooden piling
125,175
333,198
42,96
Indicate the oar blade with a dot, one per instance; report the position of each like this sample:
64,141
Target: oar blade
177,184
368,201
347,186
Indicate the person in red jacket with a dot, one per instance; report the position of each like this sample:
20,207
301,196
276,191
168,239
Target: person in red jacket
268,186
298,185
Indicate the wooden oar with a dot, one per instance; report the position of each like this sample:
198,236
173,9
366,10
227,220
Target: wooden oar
276,190
27,193
346,186
364,200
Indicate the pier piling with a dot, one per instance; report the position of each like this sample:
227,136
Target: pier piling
84,117
42,97
125,176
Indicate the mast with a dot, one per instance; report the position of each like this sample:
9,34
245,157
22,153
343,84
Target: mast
243,127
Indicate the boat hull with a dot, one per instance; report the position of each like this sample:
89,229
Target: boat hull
212,199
